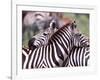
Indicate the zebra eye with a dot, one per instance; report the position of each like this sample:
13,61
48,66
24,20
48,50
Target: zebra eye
44,34
53,24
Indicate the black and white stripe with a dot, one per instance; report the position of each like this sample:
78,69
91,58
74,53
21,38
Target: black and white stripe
79,56
39,40
25,52
81,40
55,52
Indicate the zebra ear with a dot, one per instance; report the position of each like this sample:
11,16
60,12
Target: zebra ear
53,24
73,25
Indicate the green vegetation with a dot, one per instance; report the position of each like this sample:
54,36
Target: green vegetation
82,21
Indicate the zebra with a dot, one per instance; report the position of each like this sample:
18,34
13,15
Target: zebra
55,52
79,55
42,38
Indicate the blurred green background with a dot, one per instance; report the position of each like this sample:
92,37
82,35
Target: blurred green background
82,21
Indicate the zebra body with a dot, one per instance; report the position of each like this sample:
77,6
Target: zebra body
79,56
45,56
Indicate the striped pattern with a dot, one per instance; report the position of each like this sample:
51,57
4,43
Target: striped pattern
55,53
81,40
79,56
38,41
42,38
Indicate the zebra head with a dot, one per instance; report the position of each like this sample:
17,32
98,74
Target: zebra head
42,38
79,40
